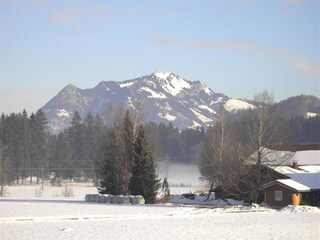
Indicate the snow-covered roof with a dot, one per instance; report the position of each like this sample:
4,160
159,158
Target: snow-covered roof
285,158
311,157
294,185
289,183
308,172
288,170
306,175
272,157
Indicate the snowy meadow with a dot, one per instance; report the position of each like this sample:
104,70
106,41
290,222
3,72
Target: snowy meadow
52,216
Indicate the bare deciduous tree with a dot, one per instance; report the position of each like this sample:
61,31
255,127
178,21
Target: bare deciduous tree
114,115
137,114
217,152
262,129
235,154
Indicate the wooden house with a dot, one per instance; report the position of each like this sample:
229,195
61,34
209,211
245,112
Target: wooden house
298,183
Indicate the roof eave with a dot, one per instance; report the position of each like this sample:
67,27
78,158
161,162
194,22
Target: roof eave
284,185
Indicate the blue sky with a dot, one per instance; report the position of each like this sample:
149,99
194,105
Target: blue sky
237,47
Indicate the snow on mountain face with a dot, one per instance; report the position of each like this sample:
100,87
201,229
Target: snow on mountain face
128,84
153,93
233,105
171,83
165,97
62,113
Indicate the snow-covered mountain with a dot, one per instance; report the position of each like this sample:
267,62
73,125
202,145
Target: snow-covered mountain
165,97
234,105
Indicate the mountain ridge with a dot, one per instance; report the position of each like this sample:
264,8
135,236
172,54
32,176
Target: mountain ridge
165,96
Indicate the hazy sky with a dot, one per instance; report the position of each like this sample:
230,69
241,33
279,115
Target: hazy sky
237,47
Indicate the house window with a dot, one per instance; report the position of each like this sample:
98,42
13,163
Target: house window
278,195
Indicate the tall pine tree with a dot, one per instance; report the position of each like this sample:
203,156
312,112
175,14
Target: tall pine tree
76,142
62,158
39,141
144,180
127,150
111,178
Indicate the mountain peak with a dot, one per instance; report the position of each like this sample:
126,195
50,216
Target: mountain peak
170,82
163,75
70,88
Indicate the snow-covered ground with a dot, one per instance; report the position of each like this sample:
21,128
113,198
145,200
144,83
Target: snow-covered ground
44,219
52,217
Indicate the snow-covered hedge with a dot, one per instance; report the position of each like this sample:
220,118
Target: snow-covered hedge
115,199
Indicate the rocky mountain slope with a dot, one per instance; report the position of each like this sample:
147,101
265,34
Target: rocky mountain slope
164,96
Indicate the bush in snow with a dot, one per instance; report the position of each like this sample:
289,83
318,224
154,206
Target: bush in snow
4,191
67,192
38,193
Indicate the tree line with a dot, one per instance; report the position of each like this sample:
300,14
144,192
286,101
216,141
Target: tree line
29,150
84,149
23,146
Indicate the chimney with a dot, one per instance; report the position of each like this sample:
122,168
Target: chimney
295,165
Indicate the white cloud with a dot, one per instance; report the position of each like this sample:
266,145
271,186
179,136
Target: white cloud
309,68
210,43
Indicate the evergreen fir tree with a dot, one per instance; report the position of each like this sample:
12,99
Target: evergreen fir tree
98,148
88,144
107,183
25,145
111,179
128,145
76,137
40,141
62,158
144,178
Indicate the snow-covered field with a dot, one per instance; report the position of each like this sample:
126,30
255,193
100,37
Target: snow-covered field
52,217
